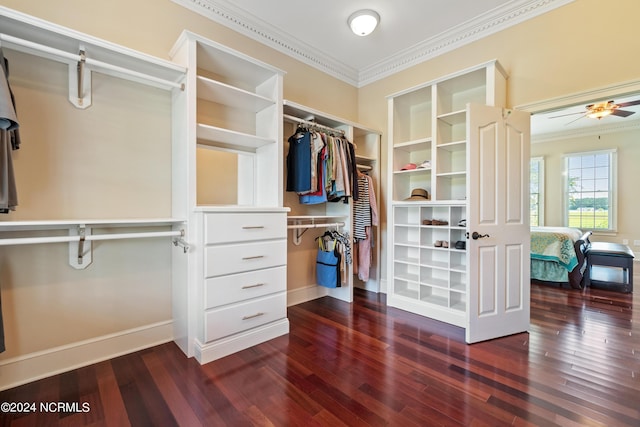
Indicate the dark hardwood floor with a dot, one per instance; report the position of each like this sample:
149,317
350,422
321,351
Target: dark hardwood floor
366,364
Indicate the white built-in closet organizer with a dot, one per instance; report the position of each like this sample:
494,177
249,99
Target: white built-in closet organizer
229,265
306,222
85,54
227,131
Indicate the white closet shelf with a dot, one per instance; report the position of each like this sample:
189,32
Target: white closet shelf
416,171
454,145
417,203
451,174
361,158
24,33
413,145
222,93
80,237
239,208
232,66
314,217
213,136
295,223
454,117
98,223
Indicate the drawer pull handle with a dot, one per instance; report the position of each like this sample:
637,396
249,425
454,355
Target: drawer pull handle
252,227
253,316
252,257
257,285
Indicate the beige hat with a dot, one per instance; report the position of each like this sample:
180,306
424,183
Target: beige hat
419,194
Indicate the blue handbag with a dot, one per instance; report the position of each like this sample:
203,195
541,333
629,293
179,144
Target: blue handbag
328,268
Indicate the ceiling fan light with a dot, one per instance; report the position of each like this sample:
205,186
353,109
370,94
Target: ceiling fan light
363,22
600,113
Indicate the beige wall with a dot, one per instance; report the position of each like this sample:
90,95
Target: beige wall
46,304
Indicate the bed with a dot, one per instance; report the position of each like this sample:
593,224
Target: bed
558,255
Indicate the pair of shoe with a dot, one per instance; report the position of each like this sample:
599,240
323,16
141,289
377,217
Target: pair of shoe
441,244
434,222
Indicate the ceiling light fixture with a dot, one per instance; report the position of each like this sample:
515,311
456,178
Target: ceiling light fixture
600,112
363,22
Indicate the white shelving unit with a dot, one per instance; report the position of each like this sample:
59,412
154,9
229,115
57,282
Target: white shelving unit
229,118
367,150
27,40
84,54
429,123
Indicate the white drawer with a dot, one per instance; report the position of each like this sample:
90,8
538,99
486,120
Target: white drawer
242,257
242,227
230,320
239,287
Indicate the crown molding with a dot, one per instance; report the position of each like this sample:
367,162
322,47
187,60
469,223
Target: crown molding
223,12
246,24
468,32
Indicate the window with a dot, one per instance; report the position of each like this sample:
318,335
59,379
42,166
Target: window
536,191
590,190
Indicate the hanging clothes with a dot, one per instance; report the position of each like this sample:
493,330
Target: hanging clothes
317,144
9,140
299,162
361,210
365,217
321,195
322,166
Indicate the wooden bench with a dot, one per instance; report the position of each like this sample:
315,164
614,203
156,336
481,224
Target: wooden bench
610,255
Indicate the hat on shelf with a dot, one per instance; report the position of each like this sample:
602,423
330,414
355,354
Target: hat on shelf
408,166
419,194
425,165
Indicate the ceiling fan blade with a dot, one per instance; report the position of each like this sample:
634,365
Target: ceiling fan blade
564,115
622,113
583,115
629,104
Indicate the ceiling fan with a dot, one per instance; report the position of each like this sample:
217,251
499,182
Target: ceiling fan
602,109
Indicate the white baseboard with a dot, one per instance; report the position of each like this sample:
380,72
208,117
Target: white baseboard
205,353
383,286
34,366
308,293
370,285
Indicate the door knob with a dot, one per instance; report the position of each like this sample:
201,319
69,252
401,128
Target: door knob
475,235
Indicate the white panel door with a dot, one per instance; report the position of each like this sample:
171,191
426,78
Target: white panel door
498,223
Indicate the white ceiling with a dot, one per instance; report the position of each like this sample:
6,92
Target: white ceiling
410,31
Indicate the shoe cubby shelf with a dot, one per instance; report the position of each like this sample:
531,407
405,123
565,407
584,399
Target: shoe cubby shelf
430,122
427,266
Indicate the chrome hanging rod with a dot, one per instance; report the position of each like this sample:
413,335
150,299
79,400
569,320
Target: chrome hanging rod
297,226
316,225
88,237
311,123
53,53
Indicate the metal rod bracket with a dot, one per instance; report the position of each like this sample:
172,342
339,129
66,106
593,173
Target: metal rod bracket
80,255
181,242
80,82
